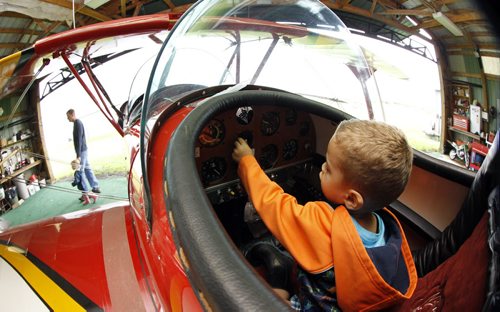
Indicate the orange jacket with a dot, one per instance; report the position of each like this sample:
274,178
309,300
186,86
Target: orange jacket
319,237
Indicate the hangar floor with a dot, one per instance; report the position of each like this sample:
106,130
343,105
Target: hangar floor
60,198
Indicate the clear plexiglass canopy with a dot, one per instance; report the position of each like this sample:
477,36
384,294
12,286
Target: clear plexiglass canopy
297,46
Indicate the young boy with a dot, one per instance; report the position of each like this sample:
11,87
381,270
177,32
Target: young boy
355,256
78,182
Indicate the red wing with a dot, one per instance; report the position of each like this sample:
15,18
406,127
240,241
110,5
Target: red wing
68,50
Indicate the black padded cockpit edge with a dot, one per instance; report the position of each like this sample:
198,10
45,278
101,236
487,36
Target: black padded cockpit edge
473,208
215,266
492,302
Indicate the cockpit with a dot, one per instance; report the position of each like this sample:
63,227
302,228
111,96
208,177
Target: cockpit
280,75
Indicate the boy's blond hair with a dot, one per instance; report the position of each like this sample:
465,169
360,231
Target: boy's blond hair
75,164
377,159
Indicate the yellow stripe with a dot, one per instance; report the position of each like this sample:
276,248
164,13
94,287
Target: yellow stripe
7,67
47,289
14,57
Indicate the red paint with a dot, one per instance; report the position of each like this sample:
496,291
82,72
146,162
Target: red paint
121,27
167,279
54,45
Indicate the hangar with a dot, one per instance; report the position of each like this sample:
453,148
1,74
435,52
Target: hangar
466,53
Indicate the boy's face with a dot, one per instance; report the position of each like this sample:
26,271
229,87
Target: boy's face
332,178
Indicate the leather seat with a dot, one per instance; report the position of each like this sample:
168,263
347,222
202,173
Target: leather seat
493,295
461,268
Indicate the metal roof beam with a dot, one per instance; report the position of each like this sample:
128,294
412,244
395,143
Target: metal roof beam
23,31
366,13
389,4
123,8
424,12
170,4
460,18
13,45
14,14
472,46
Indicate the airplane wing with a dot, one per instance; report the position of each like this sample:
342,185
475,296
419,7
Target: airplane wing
77,52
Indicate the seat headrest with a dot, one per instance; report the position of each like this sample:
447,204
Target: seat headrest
473,208
487,178
492,302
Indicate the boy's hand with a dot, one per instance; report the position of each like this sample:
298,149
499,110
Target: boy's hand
241,149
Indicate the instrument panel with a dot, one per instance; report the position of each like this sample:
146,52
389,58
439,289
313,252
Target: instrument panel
280,136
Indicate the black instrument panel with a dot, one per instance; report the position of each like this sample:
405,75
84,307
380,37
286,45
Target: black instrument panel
280,136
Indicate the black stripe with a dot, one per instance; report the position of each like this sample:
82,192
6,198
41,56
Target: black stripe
28,283
26,55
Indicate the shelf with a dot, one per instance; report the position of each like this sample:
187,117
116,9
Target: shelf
17,142
19,171
467,133
18,115
12,154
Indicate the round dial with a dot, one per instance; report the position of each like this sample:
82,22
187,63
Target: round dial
268,156
213,133
244,115
290,149
213,169
291,117
247,136
304,128
270,123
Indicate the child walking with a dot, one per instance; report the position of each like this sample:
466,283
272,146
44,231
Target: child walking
78,182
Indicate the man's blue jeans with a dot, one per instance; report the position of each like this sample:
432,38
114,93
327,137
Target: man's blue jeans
88,177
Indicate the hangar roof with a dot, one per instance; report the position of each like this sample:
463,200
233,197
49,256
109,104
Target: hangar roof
22,22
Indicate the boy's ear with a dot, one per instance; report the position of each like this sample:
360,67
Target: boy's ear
353,200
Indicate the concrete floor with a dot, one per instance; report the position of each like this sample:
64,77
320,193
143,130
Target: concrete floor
60,198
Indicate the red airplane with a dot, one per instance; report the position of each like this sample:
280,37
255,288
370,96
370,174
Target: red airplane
280,74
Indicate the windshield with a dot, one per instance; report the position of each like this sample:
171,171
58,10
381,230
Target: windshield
298,46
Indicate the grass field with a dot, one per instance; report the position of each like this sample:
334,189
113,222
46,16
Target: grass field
422,142
108,155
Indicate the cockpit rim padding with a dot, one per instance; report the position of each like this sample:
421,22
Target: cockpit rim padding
215,266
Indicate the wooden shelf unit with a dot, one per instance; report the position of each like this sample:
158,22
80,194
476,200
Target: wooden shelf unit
461,99
467,133
14,152
25,123
19,171
17,142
